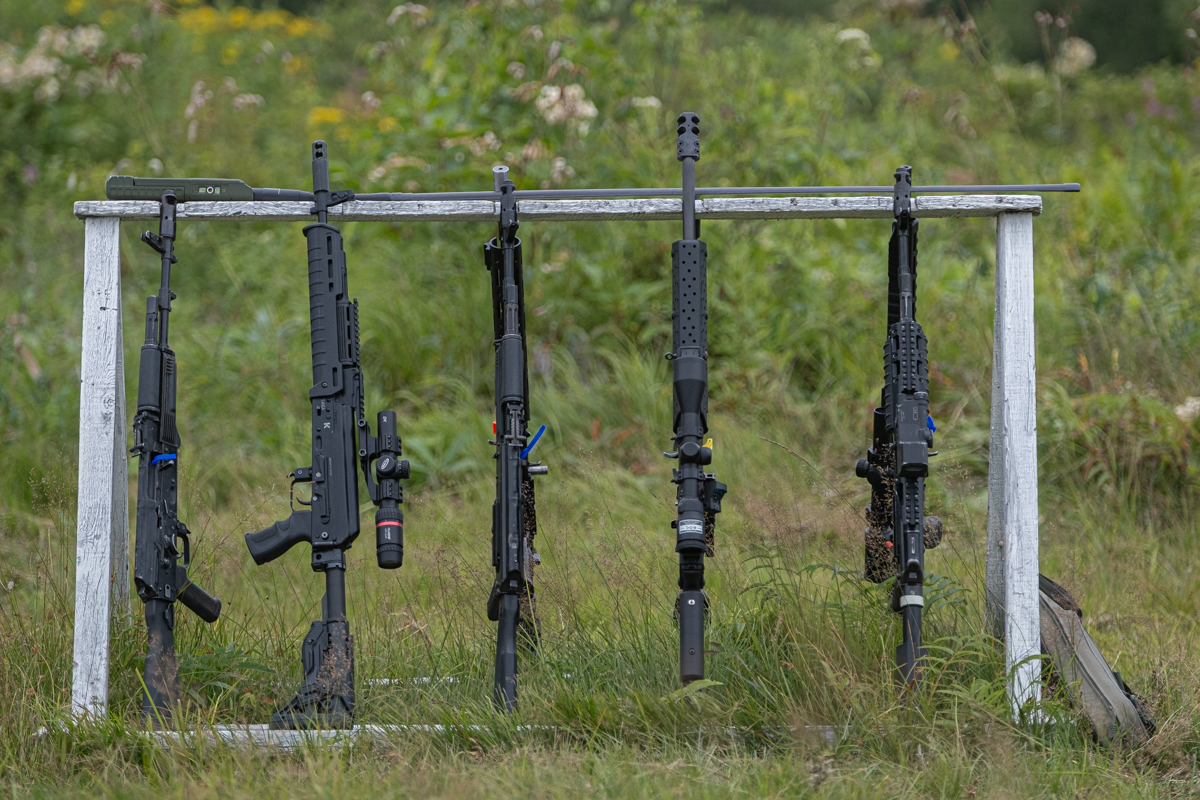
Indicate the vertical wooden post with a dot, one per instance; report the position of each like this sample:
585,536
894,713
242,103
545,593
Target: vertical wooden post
102,520
1012,547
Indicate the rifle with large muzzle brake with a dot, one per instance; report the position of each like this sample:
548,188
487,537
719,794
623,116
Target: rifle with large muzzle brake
698,493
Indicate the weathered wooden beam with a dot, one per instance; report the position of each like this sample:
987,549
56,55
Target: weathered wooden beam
102,518
713,208
1012,541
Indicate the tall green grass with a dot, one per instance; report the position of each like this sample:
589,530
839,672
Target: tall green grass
796,325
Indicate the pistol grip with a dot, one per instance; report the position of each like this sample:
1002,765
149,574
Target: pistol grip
203,604
270,543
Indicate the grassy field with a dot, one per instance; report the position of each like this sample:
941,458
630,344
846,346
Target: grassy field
429,98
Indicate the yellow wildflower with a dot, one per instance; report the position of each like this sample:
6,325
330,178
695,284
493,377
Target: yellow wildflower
75,6
206,19
203,20
298,26
325,114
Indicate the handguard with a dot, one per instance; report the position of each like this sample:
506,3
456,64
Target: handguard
270,543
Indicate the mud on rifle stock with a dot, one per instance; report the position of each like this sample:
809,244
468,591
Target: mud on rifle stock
330,523
897,463
160,565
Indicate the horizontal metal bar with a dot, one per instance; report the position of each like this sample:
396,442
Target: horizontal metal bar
715,208
712,191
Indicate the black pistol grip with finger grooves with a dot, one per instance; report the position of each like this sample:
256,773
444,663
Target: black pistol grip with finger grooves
270,543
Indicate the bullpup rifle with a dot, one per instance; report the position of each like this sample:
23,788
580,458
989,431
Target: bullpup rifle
698,493
330,522
514,517
162,551
897,463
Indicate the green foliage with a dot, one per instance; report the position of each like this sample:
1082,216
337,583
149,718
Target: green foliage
419,98
1126,37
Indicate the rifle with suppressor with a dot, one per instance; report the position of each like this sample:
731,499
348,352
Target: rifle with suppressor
898,462
512,602
698,493
330,523
158,572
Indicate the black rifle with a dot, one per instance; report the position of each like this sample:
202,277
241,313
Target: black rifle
898,462
514,519
330,523
159,574
698,493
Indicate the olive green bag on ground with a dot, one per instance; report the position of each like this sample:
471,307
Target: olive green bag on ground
1116,713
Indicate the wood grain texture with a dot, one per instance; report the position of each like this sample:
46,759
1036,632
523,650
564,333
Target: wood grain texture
994,600
100,407
1014,497
713,208
121,574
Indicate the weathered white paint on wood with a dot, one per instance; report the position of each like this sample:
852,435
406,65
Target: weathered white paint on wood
102,527
712,208
120,479
1012,568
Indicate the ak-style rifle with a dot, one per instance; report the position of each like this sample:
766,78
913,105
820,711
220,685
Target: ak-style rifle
330,523
162,550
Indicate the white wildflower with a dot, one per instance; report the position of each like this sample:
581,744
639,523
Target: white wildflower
1190,410
854,35
561,103
198,100
246,100
419,13
1074,56
86,40
560,170
646,102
